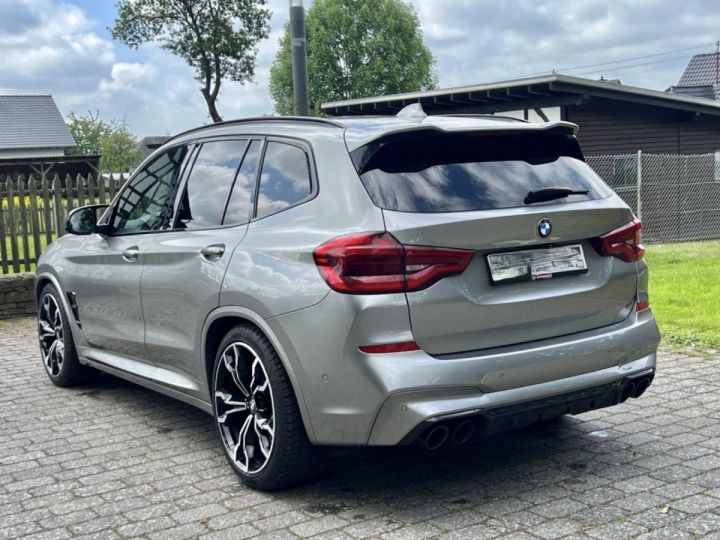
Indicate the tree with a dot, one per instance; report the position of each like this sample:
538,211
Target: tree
356,48
120,151
218,38
88,131
117,145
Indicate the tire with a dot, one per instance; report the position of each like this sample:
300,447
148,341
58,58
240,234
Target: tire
60,360
261,412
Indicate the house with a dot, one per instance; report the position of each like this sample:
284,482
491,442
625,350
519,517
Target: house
34,140
614,118
701,77
149,144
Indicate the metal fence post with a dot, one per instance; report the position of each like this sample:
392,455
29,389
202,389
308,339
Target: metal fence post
639,185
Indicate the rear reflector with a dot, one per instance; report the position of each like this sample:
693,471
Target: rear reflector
623,243
403,346
642,305
375,263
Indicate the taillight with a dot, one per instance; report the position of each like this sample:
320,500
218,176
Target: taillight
642,305
374,263
624,243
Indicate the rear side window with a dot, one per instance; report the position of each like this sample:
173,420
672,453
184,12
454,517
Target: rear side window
473,171
285,178
238,208
209,183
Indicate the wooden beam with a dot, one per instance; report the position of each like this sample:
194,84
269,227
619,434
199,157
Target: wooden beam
517,105
541,114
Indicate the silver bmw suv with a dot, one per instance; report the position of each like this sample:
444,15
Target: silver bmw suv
356,281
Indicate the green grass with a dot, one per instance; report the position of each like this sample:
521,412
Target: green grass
21,251
685,293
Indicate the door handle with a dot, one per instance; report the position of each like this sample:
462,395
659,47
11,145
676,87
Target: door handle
131,254
213,252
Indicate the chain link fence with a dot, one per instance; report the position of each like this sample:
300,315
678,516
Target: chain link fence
676,196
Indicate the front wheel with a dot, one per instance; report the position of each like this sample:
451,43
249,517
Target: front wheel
257,415
57,347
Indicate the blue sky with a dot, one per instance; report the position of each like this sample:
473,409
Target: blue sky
63,48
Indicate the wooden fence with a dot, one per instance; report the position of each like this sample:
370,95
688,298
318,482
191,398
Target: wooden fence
33,212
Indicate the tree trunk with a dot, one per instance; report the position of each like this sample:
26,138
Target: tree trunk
210,100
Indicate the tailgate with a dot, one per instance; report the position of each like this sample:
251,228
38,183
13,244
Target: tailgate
471,311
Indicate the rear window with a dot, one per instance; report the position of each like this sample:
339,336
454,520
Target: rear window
432,172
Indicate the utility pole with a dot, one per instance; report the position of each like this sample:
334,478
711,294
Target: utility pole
299,58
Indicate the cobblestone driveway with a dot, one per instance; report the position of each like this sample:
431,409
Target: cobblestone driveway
115,460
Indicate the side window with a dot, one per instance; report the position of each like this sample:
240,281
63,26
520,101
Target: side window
240,203
209,183
285,178
146,201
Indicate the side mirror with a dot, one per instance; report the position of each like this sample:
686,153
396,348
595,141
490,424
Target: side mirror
84,220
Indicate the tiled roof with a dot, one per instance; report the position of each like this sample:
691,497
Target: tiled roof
32,122
702,70
710,91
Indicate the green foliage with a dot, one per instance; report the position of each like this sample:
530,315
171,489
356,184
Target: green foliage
218,38
120,151
119,148
88,131
356,48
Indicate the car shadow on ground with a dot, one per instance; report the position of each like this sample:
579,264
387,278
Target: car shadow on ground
562,451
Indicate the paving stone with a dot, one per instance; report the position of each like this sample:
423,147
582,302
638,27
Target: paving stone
146,466
697,504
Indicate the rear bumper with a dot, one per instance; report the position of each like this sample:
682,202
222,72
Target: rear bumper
490,420
351,398
626,350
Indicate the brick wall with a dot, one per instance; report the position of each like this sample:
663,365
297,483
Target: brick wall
17,296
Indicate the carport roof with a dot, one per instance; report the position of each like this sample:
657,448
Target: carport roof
532,92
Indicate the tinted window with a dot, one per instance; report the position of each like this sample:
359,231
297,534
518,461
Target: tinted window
238,209
145,203
209,183
450,173
285,178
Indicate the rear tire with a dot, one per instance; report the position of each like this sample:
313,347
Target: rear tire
257,415
57,347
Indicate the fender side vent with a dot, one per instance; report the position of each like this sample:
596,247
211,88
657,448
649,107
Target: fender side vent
72,300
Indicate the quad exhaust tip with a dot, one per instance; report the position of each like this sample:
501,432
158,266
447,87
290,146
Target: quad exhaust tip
459,433
635,388
642,385
463,432
436,437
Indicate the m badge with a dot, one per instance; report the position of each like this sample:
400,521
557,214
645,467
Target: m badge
544,228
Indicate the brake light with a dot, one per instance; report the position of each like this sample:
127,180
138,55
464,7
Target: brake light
374,263
624,243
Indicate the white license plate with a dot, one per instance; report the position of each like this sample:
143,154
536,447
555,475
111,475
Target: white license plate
533,264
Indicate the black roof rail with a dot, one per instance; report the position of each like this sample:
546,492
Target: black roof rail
257,119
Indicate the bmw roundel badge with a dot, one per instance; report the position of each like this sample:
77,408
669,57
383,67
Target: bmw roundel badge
544,228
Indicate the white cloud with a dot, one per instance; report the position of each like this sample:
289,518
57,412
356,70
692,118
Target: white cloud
41,41
48,46
125,76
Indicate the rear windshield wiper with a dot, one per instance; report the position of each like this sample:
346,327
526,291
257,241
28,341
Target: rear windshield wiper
551,193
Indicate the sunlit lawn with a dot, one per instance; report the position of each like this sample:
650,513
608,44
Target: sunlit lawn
685,292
